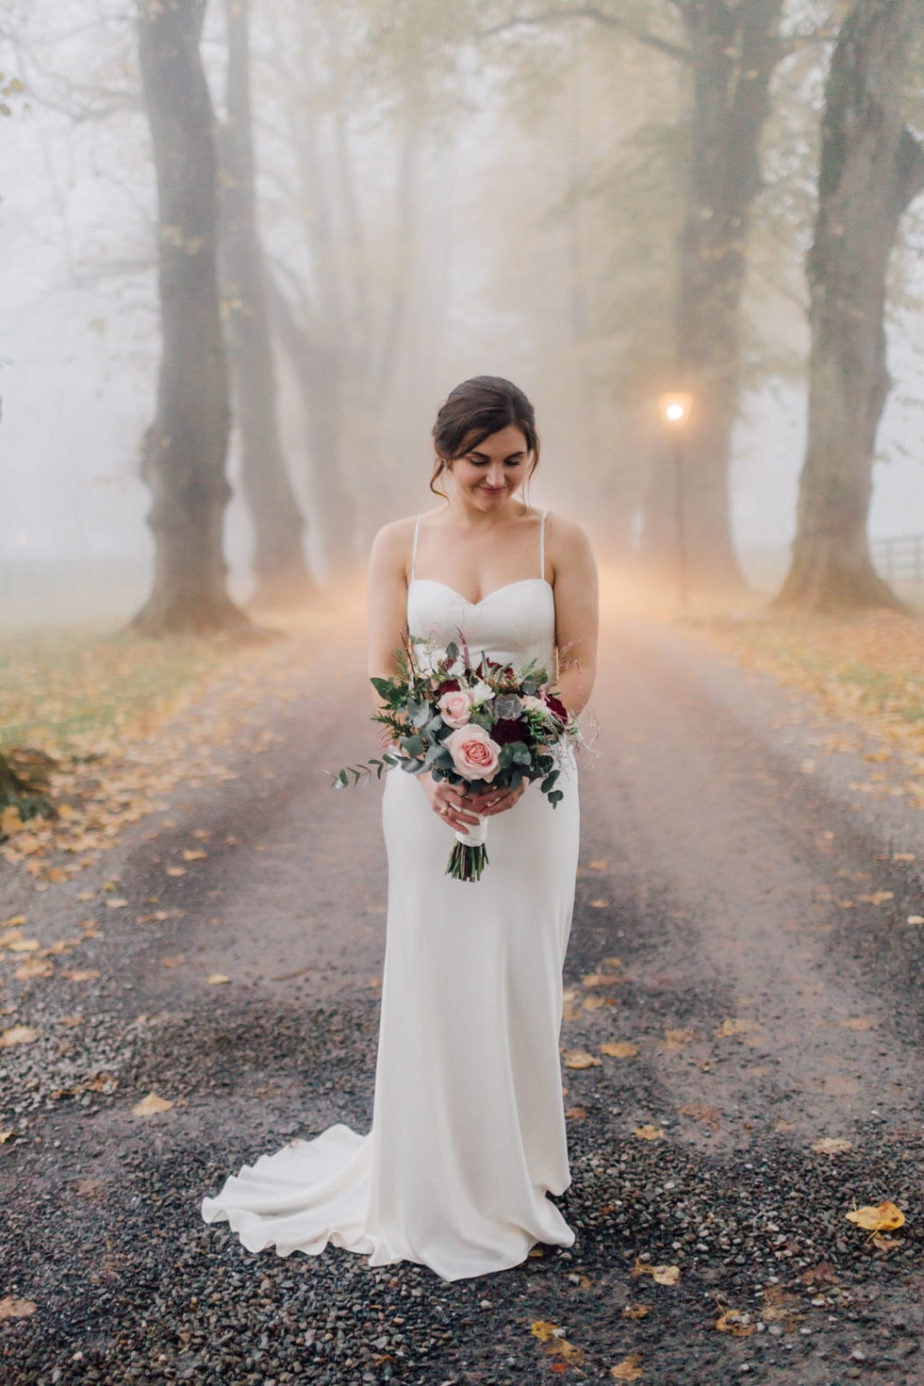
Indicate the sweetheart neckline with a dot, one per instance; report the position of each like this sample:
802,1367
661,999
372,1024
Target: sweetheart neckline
435,582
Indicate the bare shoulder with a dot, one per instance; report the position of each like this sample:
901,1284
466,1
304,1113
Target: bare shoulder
567,542
391,547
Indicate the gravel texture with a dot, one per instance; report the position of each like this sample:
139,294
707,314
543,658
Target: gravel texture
770,1003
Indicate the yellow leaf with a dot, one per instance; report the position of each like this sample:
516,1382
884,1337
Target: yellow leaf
610,964
12,1308
665,1275
23,945
13,921
635,1311
150,1105
579,1058
543,1330
176,870
599,904
676,1039
215,979
194,856
17,1034
598,1003
884,1217
576,1113
10,821
176,960
648,1132
6,1135
619,1049
600,865
903,856
85,974
629,1369
916,919
832,1145
116,903
735,1322
601,979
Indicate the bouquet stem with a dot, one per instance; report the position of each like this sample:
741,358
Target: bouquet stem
469,856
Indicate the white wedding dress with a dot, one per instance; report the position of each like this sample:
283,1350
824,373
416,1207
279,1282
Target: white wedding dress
468,1131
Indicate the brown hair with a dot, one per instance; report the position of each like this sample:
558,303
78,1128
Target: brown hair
472,412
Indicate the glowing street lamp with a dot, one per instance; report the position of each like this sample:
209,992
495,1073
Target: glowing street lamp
675,411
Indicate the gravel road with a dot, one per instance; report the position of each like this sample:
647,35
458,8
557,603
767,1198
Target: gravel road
754,885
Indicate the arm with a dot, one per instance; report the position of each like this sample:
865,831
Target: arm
576,611
386,627
386,604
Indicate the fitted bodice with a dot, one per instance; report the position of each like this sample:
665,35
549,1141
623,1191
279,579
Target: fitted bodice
515,624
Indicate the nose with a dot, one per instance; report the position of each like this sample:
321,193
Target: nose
496,475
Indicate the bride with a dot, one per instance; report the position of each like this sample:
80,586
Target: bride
468,1132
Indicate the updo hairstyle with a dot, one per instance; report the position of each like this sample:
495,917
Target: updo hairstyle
473,411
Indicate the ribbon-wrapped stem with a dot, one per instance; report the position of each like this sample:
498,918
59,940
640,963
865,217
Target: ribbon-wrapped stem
469,856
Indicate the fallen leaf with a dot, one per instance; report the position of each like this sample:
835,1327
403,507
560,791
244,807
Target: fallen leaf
34,967
11,1308
6,1135
176,870
150,1105
647,1132
215,979
576,1113
737,1025
711,1116
194,856
601,979
23,945
916,919
832,1145
903,856
598,1003
884,1217
17,1034
175,960
579,1058
116,903
737,1323
629,1369
619,1049
600,865
878,897
599,904
85,974
676,1039
661,1275
635,1311
610,964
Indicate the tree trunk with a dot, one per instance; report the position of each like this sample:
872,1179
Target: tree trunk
871,168
185,448
318,375
279,561
734,49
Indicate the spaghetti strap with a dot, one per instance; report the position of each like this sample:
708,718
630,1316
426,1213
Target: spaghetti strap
542,545
414,548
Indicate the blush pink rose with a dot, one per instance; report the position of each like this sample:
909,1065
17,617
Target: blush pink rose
456,707
474,754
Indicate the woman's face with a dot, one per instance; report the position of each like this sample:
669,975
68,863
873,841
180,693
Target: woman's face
490,473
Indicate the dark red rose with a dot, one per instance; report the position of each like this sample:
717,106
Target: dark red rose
448,686
507,729
555,706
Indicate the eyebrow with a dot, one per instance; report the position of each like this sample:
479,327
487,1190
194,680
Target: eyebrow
473,452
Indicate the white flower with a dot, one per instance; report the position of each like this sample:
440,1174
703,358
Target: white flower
481,693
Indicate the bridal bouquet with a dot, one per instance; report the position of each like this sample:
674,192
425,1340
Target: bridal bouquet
469,723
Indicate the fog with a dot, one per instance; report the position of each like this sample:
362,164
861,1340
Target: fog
532,237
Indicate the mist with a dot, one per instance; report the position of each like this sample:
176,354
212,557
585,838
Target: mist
440,194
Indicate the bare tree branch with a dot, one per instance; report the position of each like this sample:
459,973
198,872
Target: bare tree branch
592,12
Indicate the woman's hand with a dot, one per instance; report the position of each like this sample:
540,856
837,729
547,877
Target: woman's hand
460,808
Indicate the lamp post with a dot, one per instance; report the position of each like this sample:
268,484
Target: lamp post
675,411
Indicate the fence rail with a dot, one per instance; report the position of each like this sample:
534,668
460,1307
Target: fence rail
900,559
